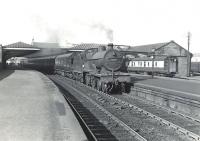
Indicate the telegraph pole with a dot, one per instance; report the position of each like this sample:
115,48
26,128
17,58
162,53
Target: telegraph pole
188,55
153,57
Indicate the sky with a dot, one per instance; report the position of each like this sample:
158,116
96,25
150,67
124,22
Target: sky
129,22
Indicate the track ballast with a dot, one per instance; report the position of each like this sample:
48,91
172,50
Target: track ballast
139,123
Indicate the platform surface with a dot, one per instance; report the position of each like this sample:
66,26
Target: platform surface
33,109
182,85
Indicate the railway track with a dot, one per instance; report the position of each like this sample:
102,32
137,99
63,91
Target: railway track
185,124
148,125
91,126
99,123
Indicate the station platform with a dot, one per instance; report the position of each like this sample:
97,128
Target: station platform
189,85
177,94
33,109
184,88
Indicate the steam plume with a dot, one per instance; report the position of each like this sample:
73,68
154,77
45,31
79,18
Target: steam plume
107,30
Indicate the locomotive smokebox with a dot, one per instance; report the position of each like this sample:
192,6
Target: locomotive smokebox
110,46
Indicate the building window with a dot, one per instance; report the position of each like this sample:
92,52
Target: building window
156,64
148,64
144,64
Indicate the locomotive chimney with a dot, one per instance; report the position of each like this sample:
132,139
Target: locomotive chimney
110,46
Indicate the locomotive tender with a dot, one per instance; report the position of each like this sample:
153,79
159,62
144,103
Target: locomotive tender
101,68
165,65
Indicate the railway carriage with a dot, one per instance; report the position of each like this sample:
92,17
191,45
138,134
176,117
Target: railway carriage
43,64
160,65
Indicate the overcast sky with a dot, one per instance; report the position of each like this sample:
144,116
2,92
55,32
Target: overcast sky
132,22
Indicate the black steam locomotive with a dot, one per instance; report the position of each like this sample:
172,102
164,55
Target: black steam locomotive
102,68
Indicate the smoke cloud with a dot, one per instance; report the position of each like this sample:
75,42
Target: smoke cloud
75,31
103,28
49,33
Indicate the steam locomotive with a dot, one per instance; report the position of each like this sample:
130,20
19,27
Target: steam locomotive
103,68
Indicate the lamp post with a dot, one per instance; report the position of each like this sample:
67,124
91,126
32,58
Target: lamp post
153,55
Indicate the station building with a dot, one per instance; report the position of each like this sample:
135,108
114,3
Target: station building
183,57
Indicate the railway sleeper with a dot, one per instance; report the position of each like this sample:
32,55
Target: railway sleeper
99,130
96,127
107,139
93,123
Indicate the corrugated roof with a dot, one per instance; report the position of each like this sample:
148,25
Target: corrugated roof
19,45
147,48
86,46
46,45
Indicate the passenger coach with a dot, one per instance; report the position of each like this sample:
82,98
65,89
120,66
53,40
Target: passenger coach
160,65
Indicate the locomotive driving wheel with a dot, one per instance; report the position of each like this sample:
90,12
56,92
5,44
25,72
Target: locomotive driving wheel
104,87
123,87
94,82
98,85
87,80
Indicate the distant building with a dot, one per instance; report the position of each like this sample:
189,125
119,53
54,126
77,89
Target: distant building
46,49
45,45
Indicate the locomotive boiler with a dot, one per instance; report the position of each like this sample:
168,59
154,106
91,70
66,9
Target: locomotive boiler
100,68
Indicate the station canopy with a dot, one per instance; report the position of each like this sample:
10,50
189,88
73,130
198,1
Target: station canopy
18,49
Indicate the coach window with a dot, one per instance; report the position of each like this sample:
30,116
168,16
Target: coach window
156,64
148,64
130,63
144,64
134,64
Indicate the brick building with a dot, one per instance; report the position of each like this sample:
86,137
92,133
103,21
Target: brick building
167,49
